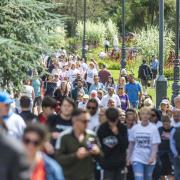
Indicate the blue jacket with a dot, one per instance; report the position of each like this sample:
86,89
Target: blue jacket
53,170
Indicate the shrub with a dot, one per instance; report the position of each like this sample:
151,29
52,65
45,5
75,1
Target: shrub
169,73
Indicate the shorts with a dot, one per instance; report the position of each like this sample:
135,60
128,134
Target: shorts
154,73
37,101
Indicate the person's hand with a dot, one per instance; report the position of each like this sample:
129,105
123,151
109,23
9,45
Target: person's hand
82,153
55,135
129,162
49,149
95,150
151,160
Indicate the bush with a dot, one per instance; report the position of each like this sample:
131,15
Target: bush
169,73
147,40
97,32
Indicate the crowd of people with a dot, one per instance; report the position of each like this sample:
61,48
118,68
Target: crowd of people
77,123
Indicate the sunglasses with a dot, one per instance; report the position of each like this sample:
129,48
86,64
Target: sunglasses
153,115
29,141
84,121
91,107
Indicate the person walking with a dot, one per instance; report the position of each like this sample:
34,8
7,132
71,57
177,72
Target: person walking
154,68
134,91
76,149
114,142
144,140
145,75
104,74
175,143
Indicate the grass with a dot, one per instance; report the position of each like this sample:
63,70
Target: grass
131,67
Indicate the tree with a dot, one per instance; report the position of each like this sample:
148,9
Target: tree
24,33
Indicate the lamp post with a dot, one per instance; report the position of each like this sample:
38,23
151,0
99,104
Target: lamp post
176,83
161,83
84,34
123,51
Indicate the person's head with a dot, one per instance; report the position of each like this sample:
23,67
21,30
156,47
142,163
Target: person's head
67,107
25,103
166,122
123,72
27,82
102,116
93,94
92,106
100,94
103,66
33,138
85,98
48,105
148,103
91,65
144,61
64,87
77,64
5,102
78,76
131,78
131,117
80,119
96,79
122,81
155,116
164,105
177,102
110,91
50,78
111,103
145,114
112,115
176,115
121,90
73,66
56,77
122,116
79,83
110,80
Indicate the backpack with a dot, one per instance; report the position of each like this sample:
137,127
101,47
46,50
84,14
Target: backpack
177,139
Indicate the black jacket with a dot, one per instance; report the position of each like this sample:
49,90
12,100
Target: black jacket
13,162
113,146
145,72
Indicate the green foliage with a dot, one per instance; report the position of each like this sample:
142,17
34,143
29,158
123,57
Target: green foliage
147,41
169,73
24,34
97,32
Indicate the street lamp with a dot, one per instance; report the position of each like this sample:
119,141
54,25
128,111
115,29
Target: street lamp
161,83
123,51
176,83
84,34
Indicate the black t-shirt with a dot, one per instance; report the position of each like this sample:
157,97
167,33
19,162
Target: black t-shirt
28,117
56,123
165,139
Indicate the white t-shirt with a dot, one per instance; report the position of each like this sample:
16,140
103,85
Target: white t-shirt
90,75
27,91
72,74
144,137
94,122
15,125
82,105
105,99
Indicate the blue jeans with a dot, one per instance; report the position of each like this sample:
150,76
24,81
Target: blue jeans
134,104
142,171
176,162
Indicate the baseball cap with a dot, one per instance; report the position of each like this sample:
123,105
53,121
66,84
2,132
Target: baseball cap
86,96
5,98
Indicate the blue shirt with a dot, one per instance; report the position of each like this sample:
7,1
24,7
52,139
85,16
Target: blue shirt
172,141
95,87
155,64
133,90
37,87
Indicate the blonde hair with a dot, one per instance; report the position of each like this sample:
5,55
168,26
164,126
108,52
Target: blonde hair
145,109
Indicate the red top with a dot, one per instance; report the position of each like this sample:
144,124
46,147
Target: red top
42,119
39,172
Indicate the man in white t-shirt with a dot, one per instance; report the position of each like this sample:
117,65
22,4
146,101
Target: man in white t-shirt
110,95
72,73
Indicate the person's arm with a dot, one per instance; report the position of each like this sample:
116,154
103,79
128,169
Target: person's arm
153,153
33,94
130,151
118,101
173,143
140,93
128,102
